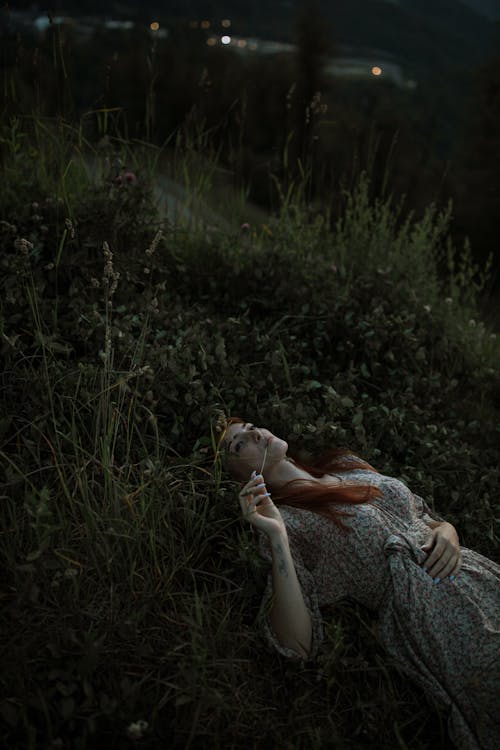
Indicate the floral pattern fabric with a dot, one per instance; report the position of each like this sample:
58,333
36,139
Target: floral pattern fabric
445,635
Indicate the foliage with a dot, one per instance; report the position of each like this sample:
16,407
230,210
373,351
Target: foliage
132,586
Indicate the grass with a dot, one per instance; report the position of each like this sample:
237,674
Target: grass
131,586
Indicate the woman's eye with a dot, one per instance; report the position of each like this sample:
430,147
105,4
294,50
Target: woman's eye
237,447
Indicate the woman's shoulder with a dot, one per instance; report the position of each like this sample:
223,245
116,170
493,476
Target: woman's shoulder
293,517
367,474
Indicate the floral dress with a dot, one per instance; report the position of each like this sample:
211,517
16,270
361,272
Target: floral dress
445,635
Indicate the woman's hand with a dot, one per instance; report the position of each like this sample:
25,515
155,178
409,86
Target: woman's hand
258,508
445,557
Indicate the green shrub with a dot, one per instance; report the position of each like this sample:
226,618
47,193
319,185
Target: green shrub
132,585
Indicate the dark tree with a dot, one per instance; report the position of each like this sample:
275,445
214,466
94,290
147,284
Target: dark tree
477,191
314,38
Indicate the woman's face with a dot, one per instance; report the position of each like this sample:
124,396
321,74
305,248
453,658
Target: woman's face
245,447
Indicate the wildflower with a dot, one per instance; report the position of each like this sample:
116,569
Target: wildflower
109,272
333,268
154,243
48,267
115,283
70,228
94,282
245,227
493,335
146,270
289,95
34,205
427,308
145,370
126,178
472,323
221,422
136,730
23,245
108,268
8,227
315,103
448,300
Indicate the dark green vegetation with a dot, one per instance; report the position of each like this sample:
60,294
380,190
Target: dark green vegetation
131,586
438,129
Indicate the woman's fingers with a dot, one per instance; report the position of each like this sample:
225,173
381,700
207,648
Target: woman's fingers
436,569
457,567
447,565
254,494
448,568
444,554
435,554
253,484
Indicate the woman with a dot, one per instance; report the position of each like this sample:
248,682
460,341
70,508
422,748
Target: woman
342,529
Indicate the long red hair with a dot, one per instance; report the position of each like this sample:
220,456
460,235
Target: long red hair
320,499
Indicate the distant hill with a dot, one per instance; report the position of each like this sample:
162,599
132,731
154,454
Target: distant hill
426,35
488,8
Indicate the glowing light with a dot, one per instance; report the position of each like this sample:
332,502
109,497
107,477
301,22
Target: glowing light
154,26
242,43
205,24
226,23
226,40
376,70
211,41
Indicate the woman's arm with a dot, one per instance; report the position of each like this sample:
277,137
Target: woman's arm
289,616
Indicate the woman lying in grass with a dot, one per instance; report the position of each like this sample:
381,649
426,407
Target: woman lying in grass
344,530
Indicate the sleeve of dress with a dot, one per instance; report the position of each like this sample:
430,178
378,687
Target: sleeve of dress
424,511
310,598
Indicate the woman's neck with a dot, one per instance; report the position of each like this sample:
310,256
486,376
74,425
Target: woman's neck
286,471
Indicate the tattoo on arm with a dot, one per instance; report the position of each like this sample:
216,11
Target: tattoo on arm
281,560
